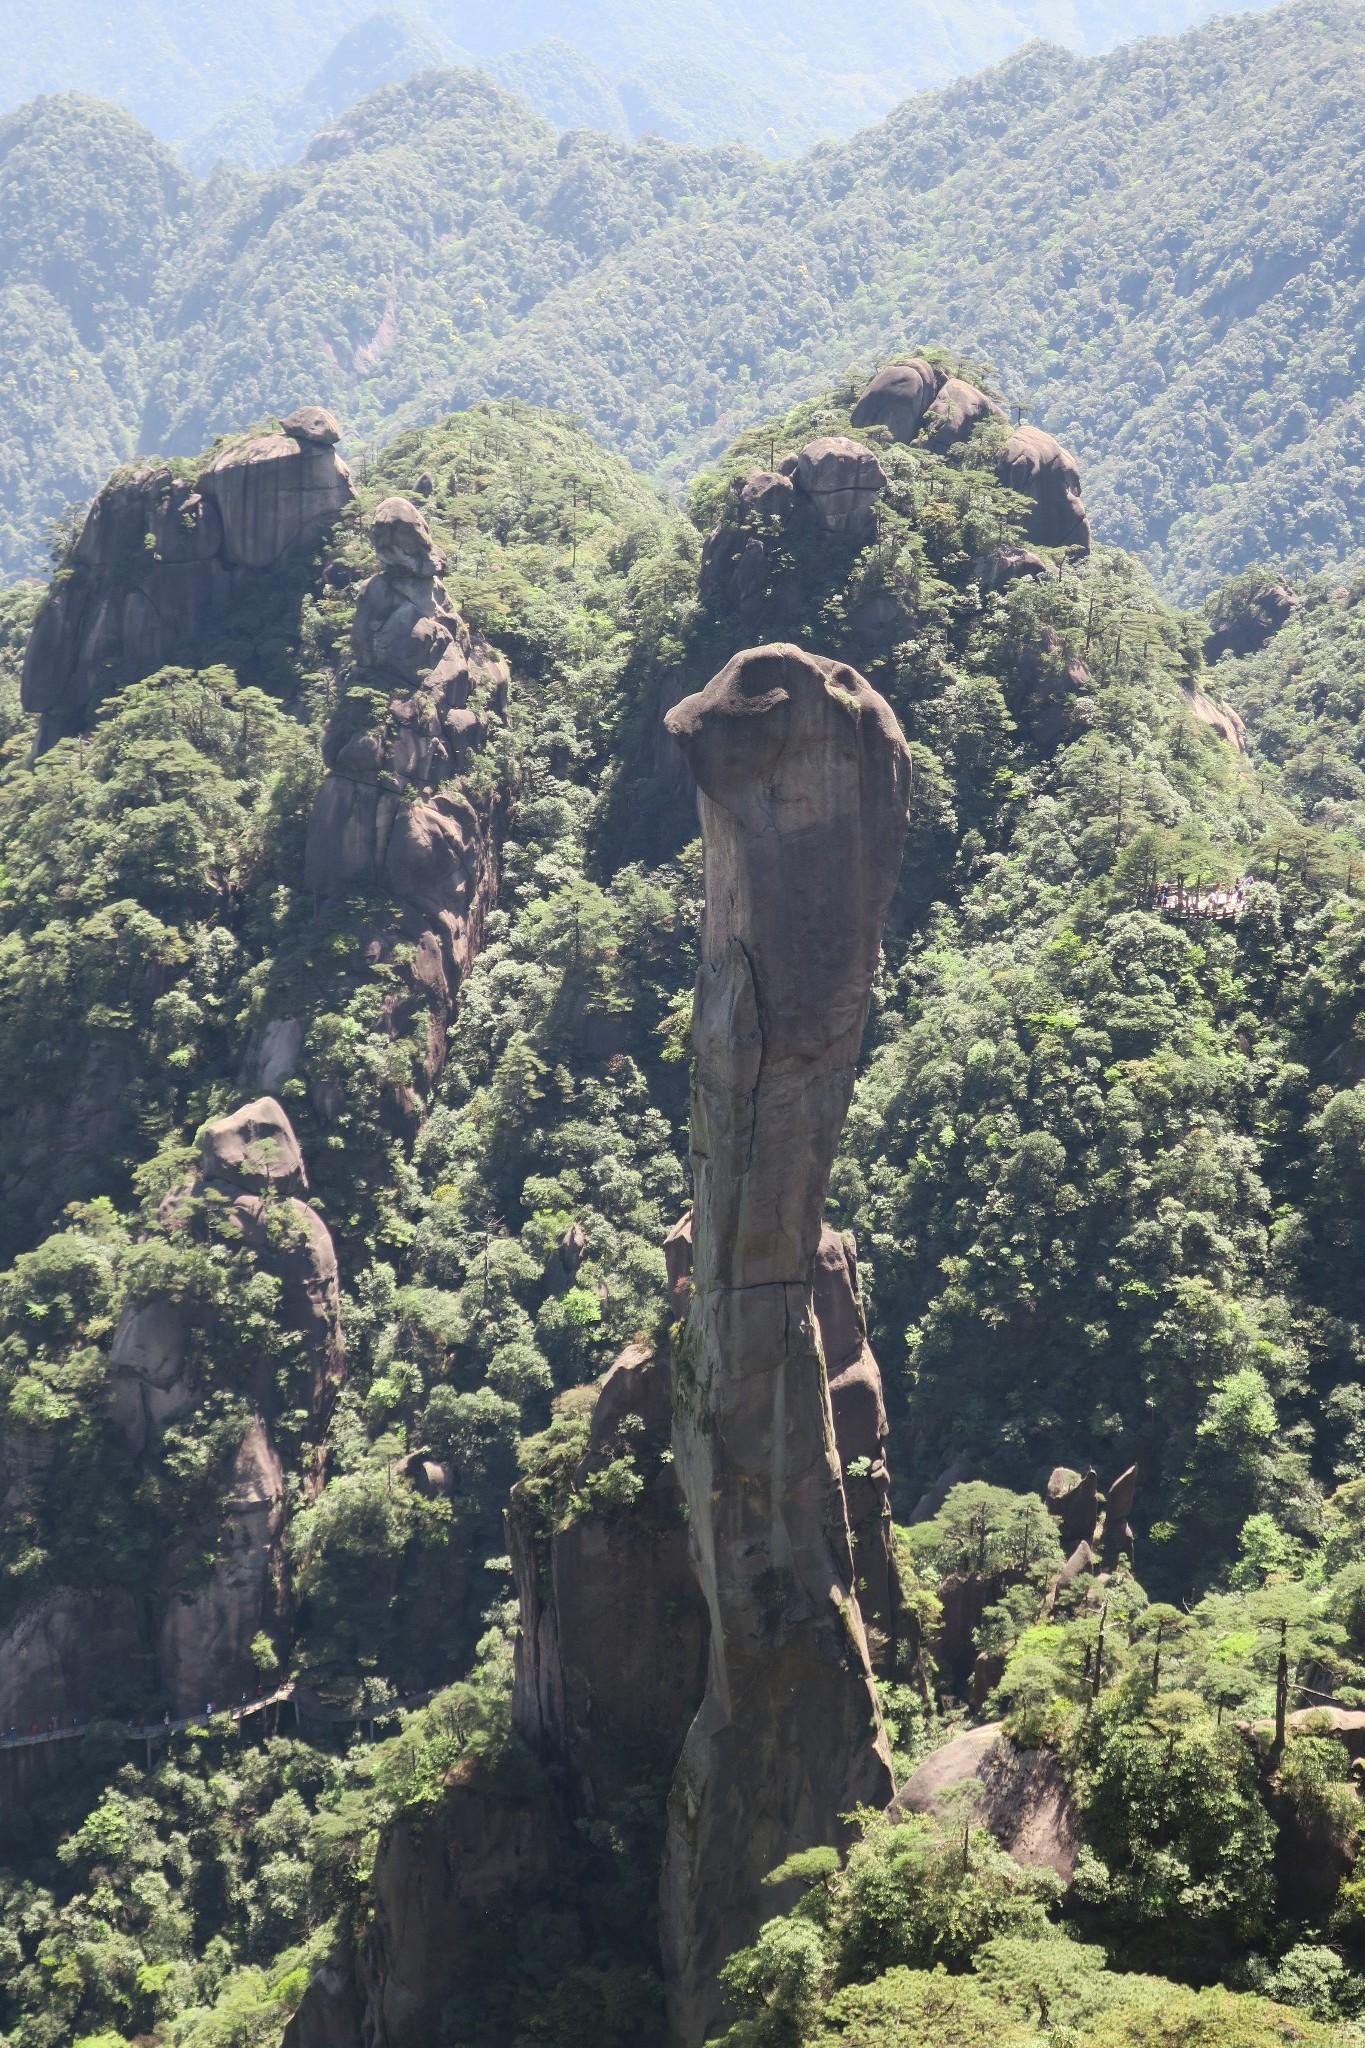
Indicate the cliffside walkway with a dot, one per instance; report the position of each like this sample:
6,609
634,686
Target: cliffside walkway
305,1708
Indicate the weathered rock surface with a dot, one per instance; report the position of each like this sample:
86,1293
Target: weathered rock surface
1220,717
860,1433
803,780
611,1651
204,1650
391,813
447,1889
148,1385
1023,1798
64,1654
842,480
160,558
1040,469
957,409
898,398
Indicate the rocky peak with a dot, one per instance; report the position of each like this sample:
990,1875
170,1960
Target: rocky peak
898,398
312,426
392,813
160,559
804,781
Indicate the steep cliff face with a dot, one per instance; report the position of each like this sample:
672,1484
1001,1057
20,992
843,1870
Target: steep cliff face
394,810
160,557
447,1890
611,1647
186,1637
803,780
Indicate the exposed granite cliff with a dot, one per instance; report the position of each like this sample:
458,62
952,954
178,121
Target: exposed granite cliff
186,1635
160,557
611,1648
803,780
393,811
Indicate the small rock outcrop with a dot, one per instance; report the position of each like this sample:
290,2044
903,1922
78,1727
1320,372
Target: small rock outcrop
391,812
1024,1799
160,558
957,410
1073,1499
1245,625
831,486
611,1648
1040,469
249,1189
803,780
898,398
1220,718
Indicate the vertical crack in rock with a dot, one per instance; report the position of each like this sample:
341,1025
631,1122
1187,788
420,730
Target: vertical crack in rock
804,782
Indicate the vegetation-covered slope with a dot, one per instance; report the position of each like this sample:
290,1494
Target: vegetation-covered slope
1104,1169
789,74
1157,250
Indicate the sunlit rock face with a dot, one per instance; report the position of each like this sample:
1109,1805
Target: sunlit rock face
804,781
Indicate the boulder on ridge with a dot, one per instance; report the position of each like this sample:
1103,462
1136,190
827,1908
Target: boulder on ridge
254,1148
1040,469
898,398
842,481
956,410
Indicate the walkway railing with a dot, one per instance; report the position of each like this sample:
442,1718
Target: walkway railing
149,1732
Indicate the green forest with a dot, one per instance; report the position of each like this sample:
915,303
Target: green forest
1104,1168
505,1542
1155,249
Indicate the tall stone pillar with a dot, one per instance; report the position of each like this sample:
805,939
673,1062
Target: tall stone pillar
804,782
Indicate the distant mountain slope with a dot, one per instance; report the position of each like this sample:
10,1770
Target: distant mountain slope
772,73
1159,251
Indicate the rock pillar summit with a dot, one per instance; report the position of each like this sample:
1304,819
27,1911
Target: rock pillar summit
803,789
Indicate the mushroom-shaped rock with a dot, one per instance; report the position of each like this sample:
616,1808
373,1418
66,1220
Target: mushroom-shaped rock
804,784
898,397
313,425
1040,469
402,540
842,480
272,492
253,1149
958,408
1024,1798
